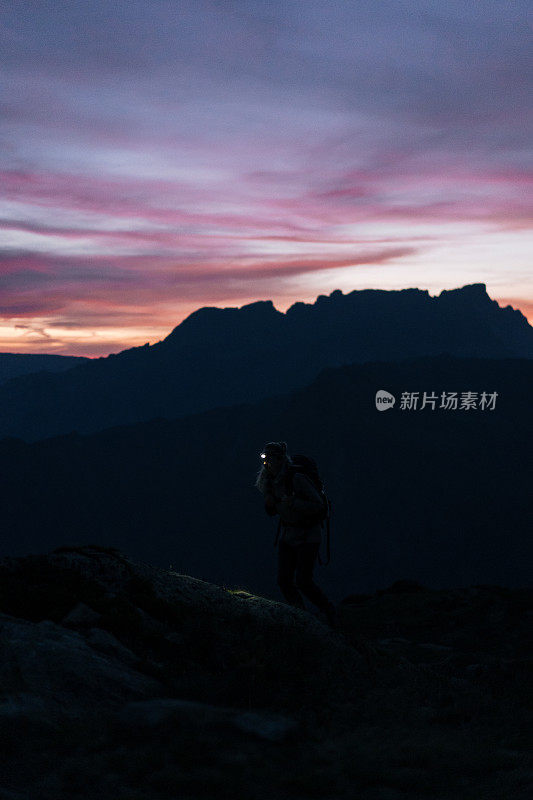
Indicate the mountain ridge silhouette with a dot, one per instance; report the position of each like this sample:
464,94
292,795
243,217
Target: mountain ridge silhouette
220,357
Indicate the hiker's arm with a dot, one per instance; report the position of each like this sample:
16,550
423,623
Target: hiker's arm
306,499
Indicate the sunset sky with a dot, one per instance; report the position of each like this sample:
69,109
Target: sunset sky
162,155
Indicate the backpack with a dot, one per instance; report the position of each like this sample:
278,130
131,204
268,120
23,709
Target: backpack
308,467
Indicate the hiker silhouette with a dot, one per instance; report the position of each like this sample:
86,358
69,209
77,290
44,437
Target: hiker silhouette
293,496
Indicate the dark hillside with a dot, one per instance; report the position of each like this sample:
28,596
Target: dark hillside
439,496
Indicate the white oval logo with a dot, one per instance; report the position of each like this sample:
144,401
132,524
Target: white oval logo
384,400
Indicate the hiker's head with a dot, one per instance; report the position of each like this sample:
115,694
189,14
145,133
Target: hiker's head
273,456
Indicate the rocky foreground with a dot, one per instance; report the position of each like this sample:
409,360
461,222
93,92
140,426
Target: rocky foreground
119,680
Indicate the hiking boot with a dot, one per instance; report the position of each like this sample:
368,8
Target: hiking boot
332,616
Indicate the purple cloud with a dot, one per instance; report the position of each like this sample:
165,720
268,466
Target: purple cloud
209,151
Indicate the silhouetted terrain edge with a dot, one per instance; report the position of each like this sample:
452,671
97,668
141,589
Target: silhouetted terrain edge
13,365
119,679
439,496
220,357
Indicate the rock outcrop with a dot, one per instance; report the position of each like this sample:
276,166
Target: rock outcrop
122,680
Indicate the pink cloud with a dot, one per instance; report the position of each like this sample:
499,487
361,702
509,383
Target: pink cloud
38,286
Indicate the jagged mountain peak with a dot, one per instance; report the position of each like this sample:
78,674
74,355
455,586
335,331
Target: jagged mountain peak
208,318
471,292
213,317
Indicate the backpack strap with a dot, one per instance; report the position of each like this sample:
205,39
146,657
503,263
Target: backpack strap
289,486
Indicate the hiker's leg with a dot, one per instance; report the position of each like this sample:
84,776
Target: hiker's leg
287,556
307,554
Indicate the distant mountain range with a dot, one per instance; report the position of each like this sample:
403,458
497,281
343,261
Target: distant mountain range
441,496
220,357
